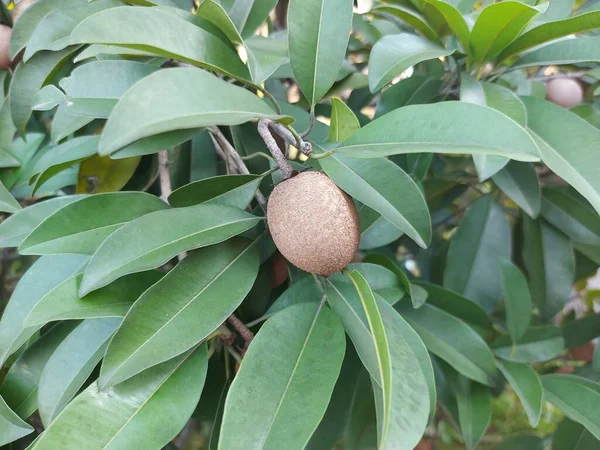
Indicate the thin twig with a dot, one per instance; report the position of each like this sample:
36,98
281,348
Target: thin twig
242,329
257,321
293,139
311,124
267,137
233,353
164,175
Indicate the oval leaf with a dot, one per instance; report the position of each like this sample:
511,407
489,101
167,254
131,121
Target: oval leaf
526,383
519,181
229,190
517,300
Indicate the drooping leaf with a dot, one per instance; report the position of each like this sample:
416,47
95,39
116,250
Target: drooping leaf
48,98
230,190
519,181
265,56
303,346
152,401
393,54
381,280
169,105
375,230
447,127
43,276
517,300
474,411
212,11
12,427
577,397
385,187
454,19
71,364
151,240
153,331
343,121
318,33
540,343
81,226
526,383
570,435
114,300
7,202
473,261
569,51
249,15
550,264
153,29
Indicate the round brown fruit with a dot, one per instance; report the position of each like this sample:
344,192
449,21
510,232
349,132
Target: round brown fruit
565,92
5,33
314,223
20,8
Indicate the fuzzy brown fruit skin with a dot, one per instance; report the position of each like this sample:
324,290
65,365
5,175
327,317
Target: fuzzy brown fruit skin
314,223
20,8
565,92
5,33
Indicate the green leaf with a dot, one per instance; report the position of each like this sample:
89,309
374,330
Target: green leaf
65,123
71,364
248,15
497,26
550,31
114,300
153,401
20,386
303,347
393,54
304,290
473,261
474,412
457,130
571,214
101,51
577,397
43,276
526,383
376,230
550,264
212,11
152,29
81,226
54,30
343,121
265,56
452,340
540,343
455,21
570,51
517,300
152,240
154,144
408,16
7,202
231,190
169,105
519,181
414,90
12,427
94,89
154,331
18,226
570,435
381,280
27,81
48,98
581,331
318,34
385,187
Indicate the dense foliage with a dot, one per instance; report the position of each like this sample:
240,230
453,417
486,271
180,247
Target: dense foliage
139,143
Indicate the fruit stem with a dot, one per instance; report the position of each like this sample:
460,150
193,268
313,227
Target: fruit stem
267,137
242,329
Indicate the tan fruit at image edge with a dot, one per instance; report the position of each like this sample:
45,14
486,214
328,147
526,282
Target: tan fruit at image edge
314,223
564,92
20,8
5,33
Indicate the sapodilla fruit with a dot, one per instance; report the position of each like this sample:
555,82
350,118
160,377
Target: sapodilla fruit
565,92
20,8
314,223
5,33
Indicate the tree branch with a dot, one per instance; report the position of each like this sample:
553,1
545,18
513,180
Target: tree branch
242,329
164,175
267,137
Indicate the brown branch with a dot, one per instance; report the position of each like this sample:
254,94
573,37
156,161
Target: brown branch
267,137
242,329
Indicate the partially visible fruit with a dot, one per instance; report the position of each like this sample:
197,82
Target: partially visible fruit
565,92
5,33
279,269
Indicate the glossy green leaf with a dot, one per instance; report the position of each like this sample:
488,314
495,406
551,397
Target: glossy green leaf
519,181
71,364
102,51
318,33
248,15
65,123
385,187
112,419
230,190
153,239
153,331
43,276
408,16
451,340
169,105
81,226
517,300
7,202
94,89
343,121
304,290
25,149
570,435
454,19
569,51
577,397
474,412
550,264
526,383
28,79
48,98
540,343
375,230
579,332
20,385
303,346
12,427
381,280
212,11
393,54
265,56
457,130
54,30
414,90
550,31
154,144
473,261
153,29
497,26
114,300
